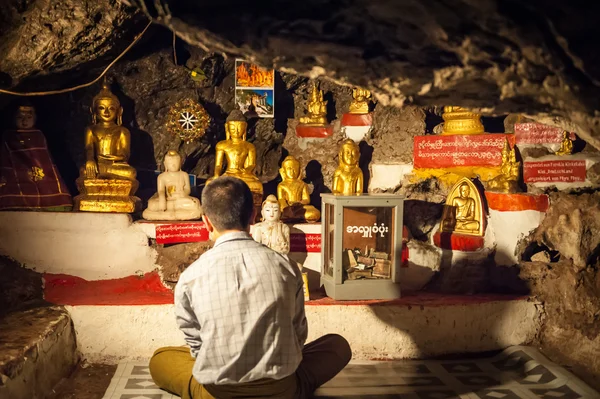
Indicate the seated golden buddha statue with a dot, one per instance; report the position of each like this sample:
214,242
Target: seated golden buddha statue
238,154
293,195
172,200
463,211
316,109
458,120
566,146
107,182
507,181
29,180
348,178
360,101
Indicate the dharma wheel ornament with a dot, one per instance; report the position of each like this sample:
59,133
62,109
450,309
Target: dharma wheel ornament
187,120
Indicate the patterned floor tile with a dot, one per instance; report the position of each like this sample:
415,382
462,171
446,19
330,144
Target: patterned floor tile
516,373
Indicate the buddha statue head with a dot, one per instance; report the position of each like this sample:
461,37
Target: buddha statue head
349,153
290,168
106,107
270,209
236,125
25,117
172,161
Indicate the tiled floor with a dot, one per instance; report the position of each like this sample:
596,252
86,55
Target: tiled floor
518,372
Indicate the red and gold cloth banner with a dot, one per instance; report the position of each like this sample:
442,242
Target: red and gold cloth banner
460,150
300,242
536,133
172,233
567,171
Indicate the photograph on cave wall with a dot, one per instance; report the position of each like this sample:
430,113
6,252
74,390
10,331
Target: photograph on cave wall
254,89
255,102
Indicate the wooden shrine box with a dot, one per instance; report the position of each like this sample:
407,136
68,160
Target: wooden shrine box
361,240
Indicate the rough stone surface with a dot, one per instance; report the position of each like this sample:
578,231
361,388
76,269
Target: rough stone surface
393,131
570,287
34,359
174,259
18,286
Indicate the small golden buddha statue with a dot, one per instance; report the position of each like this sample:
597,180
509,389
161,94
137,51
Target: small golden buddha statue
458,120
507,181
293,195
107,182
566,146
348,178
272,232
360,102
172,200
463,210
238,154
316,107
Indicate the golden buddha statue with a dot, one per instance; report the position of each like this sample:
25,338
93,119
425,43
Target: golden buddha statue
316,107
507,181
348,178
360,102
293,195
172,200
107,182
463,211
566,146
458,120
239,154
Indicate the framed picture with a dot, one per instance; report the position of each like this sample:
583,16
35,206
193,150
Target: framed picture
254,89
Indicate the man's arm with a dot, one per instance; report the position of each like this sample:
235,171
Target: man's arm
299,321
186,319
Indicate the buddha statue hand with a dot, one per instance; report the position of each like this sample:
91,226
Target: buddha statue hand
91,169
162,203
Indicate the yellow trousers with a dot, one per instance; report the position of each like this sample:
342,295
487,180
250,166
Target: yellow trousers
171,368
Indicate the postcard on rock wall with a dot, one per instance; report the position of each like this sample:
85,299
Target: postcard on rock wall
254,89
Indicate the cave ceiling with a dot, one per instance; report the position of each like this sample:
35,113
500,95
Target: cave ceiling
534,57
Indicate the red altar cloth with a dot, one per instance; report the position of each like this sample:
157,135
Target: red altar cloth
28,176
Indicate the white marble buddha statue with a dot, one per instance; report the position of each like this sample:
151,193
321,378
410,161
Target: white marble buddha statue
272,232
172,200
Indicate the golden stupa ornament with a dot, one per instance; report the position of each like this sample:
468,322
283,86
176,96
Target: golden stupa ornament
508,181
360,101
566,146
316,108
187,120
458,120
463,211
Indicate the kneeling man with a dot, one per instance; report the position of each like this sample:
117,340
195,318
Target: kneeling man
241,309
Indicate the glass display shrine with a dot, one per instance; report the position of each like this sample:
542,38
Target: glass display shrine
362,246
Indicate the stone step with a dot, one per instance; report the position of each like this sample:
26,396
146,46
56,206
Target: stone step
37,350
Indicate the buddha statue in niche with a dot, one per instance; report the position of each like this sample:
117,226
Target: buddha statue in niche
360,101
29,179
107,182
507,181
463,211
316,109
238,155
293,195
566,146
271,231
172,200
348,178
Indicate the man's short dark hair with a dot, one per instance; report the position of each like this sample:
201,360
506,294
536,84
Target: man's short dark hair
227,201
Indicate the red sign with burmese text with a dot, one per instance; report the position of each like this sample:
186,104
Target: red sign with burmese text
305,242
554,171
181,232
460,150
536,133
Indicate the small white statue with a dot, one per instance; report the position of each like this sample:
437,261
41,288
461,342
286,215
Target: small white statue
172,200
272,232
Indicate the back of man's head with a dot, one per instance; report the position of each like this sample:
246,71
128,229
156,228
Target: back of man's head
227,202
